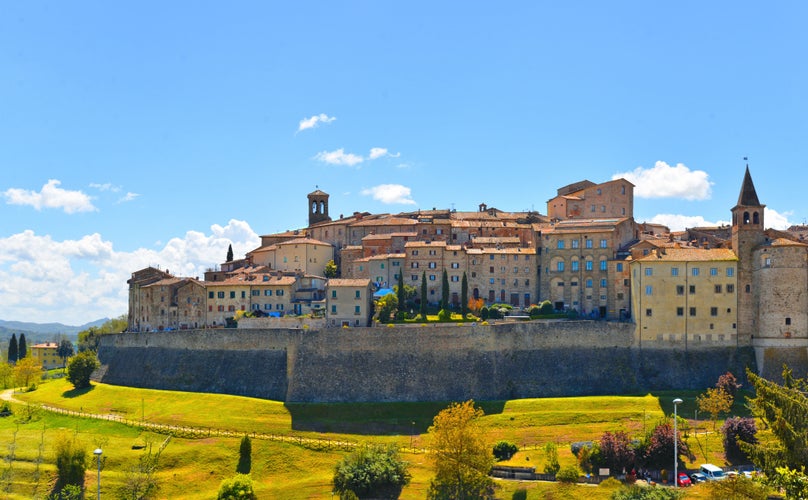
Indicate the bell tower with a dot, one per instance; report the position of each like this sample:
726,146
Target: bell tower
747,234
318,207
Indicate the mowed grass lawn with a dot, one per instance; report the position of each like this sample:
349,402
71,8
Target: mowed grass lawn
194,468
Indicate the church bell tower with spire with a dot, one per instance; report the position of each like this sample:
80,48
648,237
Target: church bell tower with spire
747,234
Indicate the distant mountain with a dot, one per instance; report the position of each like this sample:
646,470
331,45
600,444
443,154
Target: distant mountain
43,332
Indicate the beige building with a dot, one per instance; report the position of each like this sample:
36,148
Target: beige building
587,200
348,302
305,255
504,275
686,296
46,355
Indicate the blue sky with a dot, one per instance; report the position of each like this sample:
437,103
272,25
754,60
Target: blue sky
157,133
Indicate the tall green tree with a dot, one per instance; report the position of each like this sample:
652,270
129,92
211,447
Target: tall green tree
244,456
22,350
229,253
460,455
13,349
371,471
80,367
423,295
444,290
464,296
400,292
65,350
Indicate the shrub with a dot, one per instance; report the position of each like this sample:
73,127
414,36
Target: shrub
551,465
611,482
520,494
484,313
244,456
568,474
372,471
71,463
546,307
444,315
237,487
644,493
738,429
80,367
504,450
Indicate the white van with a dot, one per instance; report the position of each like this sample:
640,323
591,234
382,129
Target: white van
712,472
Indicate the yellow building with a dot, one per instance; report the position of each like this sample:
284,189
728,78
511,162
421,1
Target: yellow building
348,302
45,355
686,296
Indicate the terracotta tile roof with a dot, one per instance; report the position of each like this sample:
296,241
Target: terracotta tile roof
305,241
348,282
421,244
690,255
386,221
785,242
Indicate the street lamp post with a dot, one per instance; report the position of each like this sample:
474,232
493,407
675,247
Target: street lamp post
676,403
97,454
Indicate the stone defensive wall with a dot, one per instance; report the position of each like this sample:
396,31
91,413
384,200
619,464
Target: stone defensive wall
443,362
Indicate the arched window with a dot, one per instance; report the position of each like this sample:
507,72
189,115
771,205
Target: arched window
756,218
746,217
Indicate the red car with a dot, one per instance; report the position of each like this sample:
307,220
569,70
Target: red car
683,480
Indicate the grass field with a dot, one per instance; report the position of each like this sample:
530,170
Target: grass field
194,468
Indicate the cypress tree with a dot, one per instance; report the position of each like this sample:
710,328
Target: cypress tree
22,349
464,296
400,291
423,295
229,253
12,349
444,300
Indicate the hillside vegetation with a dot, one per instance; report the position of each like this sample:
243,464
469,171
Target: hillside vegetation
307,440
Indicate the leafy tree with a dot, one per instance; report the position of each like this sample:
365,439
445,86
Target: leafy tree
551,465
659,449
65,350
372,471
80,367
715,402
423,296
6,375
460,455
729,384
738,429
783,409
385,307
13,349
71,462
22,349
464,296
140,480
739,487
330,270
568,474
229,253
244,456
504,450
26,371
238,487
617,452
89,338
444,291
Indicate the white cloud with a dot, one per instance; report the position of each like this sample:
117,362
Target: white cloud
51,196
128,197
314,121
77,281
776,220
390,194
339,157
678,222
665,181
381,152
105,187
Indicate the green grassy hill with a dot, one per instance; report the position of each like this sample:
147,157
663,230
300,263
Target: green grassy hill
296,446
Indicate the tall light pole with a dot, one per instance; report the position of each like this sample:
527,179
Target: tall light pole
97,454
676,403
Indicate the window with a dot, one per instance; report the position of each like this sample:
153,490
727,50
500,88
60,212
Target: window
574,264
788,321
748,288
730,288
396,263
604,244
474,274
431,277
455,265
680,311
648,312
603,208
713,271
574,243
560,245
588,265
491,281
649,271
221,308
603,283
491,257
358,294
680,289
491,269
619,267
414,265
333,294
255,293
767,262
589,282
692,289
713,311
717,288
243,294
415,252
649,290
527,282
674,271
414,277
266,278
357,310
603,265
730,272
432,252
599,192
333,309
220,295
692,311
695,271
620,296
560,265
433,265
591,208
279,293
268,293
268,307
210,295
588,243
455,278
382,265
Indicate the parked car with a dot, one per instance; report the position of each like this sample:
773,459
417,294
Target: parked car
712,472
697,477
683,480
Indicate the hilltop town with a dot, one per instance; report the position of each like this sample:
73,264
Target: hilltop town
730,285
